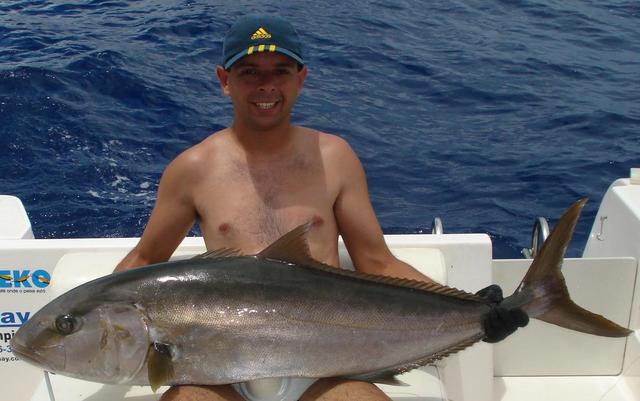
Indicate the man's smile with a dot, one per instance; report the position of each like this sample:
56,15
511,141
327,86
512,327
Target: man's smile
265,105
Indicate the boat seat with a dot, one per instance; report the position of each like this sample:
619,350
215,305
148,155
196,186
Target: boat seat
75,268
14,221
604,286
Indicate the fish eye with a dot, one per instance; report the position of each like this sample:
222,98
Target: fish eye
66,324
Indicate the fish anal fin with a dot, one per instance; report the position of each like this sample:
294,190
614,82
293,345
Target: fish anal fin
219,253
571,316
388,376
439,355
159,365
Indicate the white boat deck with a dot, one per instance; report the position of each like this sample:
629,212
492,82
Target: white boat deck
540,362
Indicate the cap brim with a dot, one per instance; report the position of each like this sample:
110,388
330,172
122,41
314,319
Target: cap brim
246,52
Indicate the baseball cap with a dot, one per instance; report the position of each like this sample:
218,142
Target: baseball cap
260,33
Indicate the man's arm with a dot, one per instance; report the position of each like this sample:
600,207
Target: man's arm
364,240
359,225
171,218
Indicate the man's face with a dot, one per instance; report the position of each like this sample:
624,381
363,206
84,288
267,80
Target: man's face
263,88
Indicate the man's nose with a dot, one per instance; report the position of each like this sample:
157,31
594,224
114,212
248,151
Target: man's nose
267,81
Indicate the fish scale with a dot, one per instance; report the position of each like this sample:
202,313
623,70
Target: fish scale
312,320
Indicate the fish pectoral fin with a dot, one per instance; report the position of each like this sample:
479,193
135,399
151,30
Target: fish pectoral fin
159,365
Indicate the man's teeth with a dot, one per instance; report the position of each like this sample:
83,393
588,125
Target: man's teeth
265,105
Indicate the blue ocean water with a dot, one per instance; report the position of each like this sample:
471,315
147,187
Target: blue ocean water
486,113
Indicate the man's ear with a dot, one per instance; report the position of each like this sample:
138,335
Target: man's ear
302,74
223,77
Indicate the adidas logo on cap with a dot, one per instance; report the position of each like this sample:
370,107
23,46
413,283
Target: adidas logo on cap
261,34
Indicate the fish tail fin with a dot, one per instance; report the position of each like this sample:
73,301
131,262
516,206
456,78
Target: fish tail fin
543,293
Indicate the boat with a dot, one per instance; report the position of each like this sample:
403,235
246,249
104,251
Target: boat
541,362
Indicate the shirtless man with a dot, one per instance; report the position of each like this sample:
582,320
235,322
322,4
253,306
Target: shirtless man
249,184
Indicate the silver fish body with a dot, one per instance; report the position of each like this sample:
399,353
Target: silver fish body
247,318
234,319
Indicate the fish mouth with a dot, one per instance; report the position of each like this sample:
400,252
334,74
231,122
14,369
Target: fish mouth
33,357
25,354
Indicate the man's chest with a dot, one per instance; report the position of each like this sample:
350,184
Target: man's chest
244,206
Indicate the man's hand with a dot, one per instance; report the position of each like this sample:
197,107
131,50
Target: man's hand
500,322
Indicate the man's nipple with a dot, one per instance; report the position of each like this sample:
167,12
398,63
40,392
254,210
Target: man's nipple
224,228
317,221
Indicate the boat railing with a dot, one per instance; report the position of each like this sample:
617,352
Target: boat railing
539,235
436,226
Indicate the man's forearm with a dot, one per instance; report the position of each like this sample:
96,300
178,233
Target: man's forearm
392,267
131,261
401,269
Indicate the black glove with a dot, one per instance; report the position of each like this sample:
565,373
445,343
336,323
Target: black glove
499,322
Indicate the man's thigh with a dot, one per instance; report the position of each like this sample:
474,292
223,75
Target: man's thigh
201,393
343,390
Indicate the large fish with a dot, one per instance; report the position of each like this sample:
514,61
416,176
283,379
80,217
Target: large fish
221,318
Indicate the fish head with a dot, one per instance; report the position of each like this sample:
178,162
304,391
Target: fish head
98,341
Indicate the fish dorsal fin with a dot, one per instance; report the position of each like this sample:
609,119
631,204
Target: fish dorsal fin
219,253
432,287
291,247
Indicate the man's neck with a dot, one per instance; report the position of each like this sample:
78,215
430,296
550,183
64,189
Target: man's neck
264,143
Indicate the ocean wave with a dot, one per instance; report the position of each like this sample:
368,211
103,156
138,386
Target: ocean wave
484,113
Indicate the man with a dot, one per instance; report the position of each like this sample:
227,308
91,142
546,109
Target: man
249,184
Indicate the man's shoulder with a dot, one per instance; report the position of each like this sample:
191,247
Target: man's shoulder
329,143
215,141
200,154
